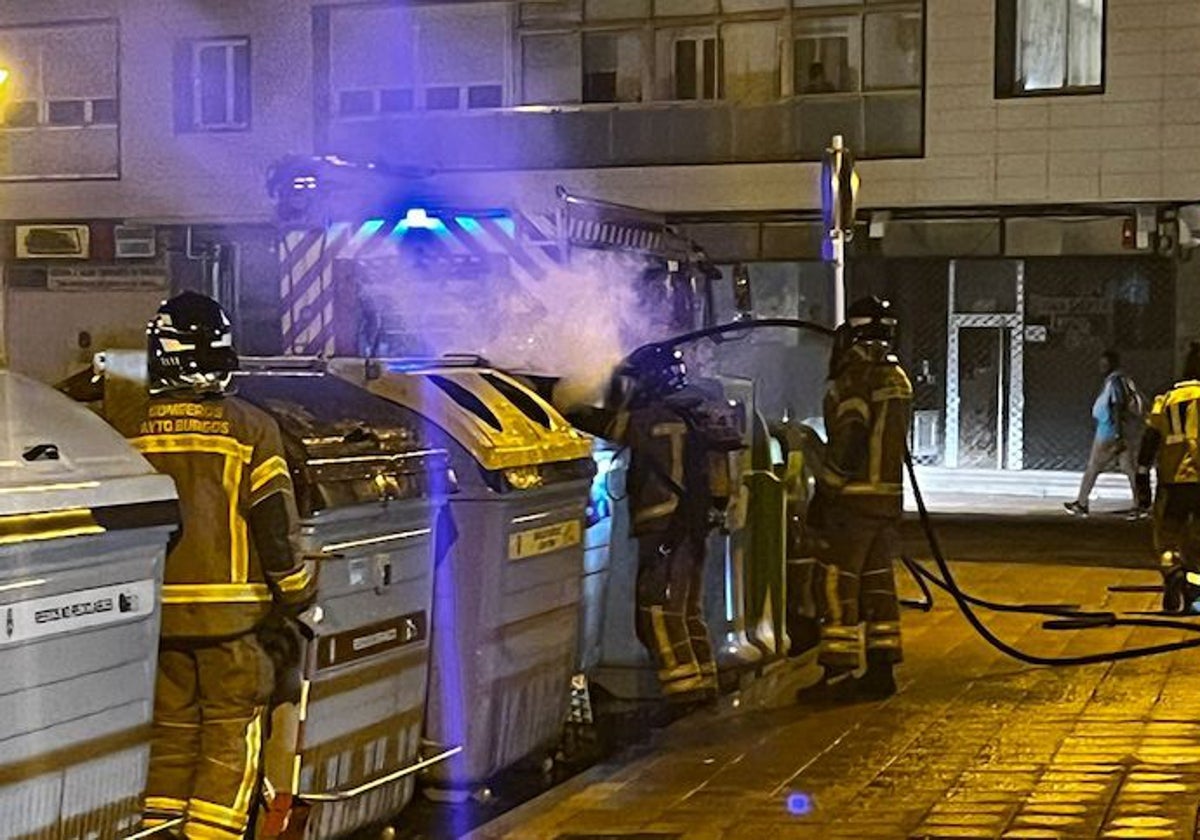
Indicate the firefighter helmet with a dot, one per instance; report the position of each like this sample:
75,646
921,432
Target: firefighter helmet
190,346
871,319
650,372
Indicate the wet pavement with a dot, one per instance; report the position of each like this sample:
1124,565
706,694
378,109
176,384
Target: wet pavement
974,745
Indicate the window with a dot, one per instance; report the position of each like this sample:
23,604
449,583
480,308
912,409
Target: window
485,96
892,46
550,69
22,114
827,57
356,103
1049,46
105,112
213,85
696,68
441,99
612,67
67,112
395,100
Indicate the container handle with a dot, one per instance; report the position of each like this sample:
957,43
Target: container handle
41,452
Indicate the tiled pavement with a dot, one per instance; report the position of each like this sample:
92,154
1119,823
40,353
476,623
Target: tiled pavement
974,745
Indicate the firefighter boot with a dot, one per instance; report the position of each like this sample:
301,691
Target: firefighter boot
879,682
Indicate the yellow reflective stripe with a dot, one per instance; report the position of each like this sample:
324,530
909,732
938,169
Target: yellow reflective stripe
165,804
180,444
215,593
296,581
49,525
241,802
857,404
239,551
656,511
874,488
271,468
200,831
662,639
891,392
236,455
832,597
218,815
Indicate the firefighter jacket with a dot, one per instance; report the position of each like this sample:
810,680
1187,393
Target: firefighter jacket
234,558
1172,439
679,470
867,410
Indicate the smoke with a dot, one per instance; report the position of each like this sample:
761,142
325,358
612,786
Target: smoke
575,323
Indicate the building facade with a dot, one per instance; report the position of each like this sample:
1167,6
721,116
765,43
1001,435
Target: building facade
1026,167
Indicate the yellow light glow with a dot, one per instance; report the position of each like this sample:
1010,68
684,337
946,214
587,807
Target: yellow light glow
4,75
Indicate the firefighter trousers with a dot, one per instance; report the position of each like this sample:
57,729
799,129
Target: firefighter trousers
855,590
1176,516
670,614
207,736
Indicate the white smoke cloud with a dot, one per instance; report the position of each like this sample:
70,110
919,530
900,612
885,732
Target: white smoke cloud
576,323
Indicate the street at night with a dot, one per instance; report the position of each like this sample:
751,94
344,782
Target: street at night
599,419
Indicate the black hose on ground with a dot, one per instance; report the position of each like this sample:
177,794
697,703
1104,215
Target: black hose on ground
1073,622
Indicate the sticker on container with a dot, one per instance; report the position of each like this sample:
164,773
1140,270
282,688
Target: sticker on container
358,571
380,637
27,621
538,541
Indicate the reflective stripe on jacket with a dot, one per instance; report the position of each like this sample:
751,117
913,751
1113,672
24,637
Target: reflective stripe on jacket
226,457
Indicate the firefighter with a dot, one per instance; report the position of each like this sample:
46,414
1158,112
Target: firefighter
229,570
679,437
858,503
1171,444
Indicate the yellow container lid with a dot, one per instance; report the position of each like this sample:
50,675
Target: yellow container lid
500,421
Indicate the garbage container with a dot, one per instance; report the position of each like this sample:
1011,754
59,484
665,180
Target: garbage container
370,492
84,523
507,593
603,543
726,593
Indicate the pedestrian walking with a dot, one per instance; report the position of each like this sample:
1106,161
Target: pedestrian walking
1117,413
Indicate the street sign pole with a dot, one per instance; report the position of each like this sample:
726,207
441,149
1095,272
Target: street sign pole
839,276
839,193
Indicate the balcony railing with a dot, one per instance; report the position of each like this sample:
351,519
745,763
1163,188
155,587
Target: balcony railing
876,125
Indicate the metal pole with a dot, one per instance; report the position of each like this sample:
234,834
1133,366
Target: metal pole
839,277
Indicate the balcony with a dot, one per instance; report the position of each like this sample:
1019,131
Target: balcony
876,125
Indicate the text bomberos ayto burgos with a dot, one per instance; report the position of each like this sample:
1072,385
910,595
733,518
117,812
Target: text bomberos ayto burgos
200,418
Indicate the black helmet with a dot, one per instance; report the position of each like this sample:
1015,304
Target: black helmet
871,319
649,372
190,346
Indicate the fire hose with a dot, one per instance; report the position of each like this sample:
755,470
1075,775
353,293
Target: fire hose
1060,616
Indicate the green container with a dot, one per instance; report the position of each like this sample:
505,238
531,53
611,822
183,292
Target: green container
766,560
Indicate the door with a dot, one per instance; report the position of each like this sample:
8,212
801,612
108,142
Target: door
983,397
985,334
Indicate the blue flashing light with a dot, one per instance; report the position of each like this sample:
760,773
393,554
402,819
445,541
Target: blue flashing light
799,804
468,223
417,217
507,224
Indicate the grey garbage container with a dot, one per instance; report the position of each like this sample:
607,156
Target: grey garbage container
84,524
507,595
370,491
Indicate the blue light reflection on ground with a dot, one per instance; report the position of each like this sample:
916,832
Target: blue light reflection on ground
799,804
